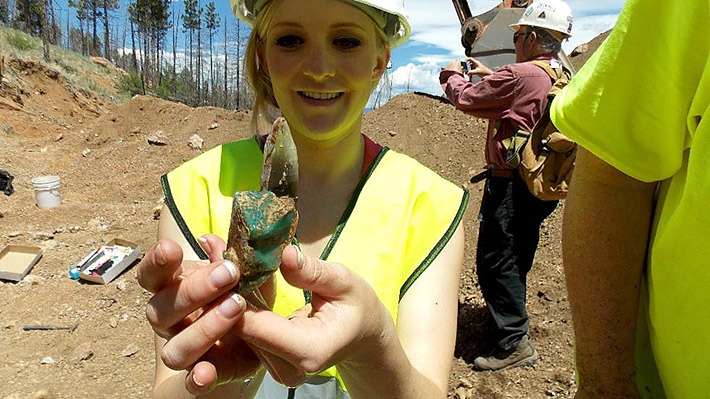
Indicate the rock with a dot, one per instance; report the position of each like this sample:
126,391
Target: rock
86,152
158,138
581,49
392,133
130,350
59,137
465,383
214,126
461,393
158,208
41,394
96,221
135,131
32,279
113,322
47,360
101,61
43,150
9,324
82,352
121,285
14,234
195,142
43,236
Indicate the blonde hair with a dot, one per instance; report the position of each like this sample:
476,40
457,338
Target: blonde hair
263,91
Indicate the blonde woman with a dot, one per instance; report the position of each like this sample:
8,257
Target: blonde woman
366,308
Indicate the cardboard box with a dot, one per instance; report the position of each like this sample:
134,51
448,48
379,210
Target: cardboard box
94,266
16,261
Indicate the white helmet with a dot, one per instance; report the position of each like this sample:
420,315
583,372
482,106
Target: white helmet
388,14
554,15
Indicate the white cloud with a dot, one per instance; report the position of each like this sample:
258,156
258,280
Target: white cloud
420,77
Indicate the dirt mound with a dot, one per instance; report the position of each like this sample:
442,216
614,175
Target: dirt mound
110,157
581,53
40,102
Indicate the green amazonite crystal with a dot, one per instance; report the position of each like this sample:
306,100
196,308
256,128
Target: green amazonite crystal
262,226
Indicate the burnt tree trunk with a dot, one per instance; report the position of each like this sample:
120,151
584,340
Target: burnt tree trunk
45,31
107,46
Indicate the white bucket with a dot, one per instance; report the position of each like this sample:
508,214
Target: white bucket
47,191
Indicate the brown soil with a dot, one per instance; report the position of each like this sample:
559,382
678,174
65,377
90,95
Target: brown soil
109,185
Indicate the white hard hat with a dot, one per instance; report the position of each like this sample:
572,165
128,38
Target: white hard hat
388,14
554,15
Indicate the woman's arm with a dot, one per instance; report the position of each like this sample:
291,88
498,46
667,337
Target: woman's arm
606,229
418,363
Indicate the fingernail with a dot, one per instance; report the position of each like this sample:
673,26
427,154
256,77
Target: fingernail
301,259
223,275
231,306
198,383
159,255
204,244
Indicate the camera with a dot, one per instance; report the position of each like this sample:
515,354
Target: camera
464,66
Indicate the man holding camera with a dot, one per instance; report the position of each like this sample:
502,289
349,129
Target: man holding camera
512,98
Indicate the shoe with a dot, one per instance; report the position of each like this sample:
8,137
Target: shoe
523,354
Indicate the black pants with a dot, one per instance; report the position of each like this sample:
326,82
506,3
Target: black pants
507,239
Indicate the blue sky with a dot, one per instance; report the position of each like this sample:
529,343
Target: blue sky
436,37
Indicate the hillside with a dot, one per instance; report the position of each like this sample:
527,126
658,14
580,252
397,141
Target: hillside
109,176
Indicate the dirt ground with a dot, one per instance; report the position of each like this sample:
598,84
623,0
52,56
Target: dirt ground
109,185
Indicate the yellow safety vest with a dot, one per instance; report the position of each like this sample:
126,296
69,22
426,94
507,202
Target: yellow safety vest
400,217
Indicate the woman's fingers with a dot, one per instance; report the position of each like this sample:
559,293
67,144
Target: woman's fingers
194,341
213,246
326,279
281,370
308,343
201,378
229,359
175,302
160,266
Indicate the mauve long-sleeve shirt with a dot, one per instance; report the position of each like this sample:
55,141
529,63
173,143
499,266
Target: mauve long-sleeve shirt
516,95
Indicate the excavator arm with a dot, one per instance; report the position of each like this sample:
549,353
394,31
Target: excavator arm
472,28
487,36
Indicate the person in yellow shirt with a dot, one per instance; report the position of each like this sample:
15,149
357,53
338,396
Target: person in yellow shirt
367,307
636,235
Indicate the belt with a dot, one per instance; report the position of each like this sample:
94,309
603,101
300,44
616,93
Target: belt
503,173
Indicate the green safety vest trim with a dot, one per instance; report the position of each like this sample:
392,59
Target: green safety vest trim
170,202
353,201
437,249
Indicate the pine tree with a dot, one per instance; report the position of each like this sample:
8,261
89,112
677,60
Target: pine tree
29,16
212,23
4,12
108,5
45,31
82,15
190,21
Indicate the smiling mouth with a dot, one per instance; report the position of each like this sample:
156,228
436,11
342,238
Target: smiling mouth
320,96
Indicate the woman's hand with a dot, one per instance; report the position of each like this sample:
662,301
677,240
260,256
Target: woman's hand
346,322
193,308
